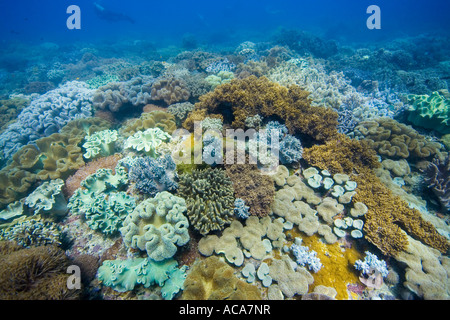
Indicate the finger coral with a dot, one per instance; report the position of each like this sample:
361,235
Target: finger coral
256,189
34,274
212,279
243,98
209,198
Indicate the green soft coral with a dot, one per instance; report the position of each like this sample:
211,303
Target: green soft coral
100,144
157,225
148,141
101,201
48,198
125,275
430,111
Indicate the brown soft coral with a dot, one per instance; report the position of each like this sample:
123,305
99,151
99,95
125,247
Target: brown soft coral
37,273
170,90
388,214
256,189
212,279
396,140
154,119
341,154
242,98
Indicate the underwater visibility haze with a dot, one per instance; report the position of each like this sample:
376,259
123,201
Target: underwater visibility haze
224,150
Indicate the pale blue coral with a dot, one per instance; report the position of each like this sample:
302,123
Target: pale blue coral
46,115
370,264
154,175
125,275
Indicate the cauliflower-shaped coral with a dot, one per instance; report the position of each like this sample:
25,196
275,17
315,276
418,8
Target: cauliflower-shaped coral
157,226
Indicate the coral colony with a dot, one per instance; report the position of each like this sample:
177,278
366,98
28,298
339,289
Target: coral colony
288,169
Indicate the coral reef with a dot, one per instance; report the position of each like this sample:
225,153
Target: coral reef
48,198
155,119
124,275
170,90
116,96
100,144
101,202
209,198
47,115
396,140
212,279
430,111
148,141
255,188
242,98
154,175
157,225
437,177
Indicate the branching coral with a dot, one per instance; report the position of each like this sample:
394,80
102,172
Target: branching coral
256,189
242,98
212,279
209,199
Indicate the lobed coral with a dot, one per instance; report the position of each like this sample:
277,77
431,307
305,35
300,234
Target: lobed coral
48,198
212,279
115,96
100,200
124,275
100,144
157,225
47,115
243,98
154,119
396,140
430,111
209,199
148,141
170,90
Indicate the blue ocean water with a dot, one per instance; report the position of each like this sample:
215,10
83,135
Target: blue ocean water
350,199
220,21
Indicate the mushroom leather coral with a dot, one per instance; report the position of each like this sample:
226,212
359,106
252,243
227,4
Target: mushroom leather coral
242,98
212,279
